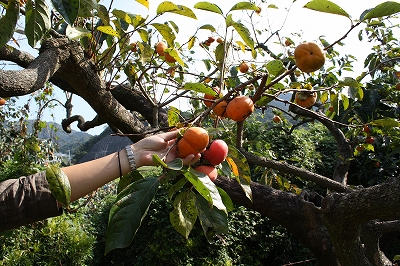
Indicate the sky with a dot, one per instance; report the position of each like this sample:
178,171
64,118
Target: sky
312,24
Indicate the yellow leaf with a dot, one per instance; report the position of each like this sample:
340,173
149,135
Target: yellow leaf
233,166
108,30
191,42
144,2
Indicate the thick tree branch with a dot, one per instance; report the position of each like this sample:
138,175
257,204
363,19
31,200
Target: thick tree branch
290,169
33,78
344,147
21,58
295,212
82,124
344,214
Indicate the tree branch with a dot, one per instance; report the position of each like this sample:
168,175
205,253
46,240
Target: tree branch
290,169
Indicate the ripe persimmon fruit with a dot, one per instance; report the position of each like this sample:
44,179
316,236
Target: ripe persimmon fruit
194,140
309,57
160,47
366,128
169,58
306,99
220,40
220,109
243,67
212,97
240,108
209,170
2,101
398,86
277,119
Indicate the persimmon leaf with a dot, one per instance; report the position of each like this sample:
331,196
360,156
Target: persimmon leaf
143,2
208,7
384,9
8,22
37,21
108,30
184,214
244,6
127,213
326,7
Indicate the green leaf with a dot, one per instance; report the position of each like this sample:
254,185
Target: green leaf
103,14
244,6
326,7
143,2
37,21
8,22
264,100
108,30
122,15
174,26
173,116
208,7
384,9
213,221
86,7
275,68
185,11
208,27
166,32
240,169
176,164
220,54
184,214
345,101
191,42
177,9
166,6
146,51
243,32
128,179
176,187
226,199
385,122
216,199
128,211
324,96
348,81
157,160
144,35
59,184
137,20
68,9
198,87
198,185
174,53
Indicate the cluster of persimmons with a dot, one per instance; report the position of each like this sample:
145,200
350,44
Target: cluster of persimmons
193,140
309,57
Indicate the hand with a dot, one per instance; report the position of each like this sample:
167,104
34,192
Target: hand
164,145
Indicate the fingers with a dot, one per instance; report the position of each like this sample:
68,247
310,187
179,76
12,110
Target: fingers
191,159
168,135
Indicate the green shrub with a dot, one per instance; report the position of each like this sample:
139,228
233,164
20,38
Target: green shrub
63,240
252,240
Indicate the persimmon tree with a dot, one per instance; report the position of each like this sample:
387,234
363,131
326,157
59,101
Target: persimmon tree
108,57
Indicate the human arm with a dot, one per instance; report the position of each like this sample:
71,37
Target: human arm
87,177
28,199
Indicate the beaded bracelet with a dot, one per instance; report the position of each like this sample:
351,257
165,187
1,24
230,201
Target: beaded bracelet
131,158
